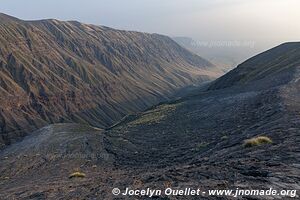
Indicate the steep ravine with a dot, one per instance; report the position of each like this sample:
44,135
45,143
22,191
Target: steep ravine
53,71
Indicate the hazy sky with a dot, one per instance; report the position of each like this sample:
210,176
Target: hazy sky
272,21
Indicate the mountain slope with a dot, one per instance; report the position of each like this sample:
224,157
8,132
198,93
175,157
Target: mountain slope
53,71
277,65
197,141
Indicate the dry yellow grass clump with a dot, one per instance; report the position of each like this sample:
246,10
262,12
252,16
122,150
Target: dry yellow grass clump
256,141
77,175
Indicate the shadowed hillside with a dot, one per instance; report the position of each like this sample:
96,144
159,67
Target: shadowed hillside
53,71
211,139
273,67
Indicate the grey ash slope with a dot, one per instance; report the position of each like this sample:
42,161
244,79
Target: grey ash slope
275,66
196,141
53,71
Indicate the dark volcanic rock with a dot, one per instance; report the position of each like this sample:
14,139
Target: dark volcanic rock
53,71
273,67
193,142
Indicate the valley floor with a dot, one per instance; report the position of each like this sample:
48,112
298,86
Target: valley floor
196,142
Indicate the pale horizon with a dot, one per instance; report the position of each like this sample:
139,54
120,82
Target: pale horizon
264,23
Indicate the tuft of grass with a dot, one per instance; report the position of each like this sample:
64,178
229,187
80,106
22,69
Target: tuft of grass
256,141
77,175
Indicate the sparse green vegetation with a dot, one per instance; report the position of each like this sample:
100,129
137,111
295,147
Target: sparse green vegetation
154,116
77,175
149,118
256,141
